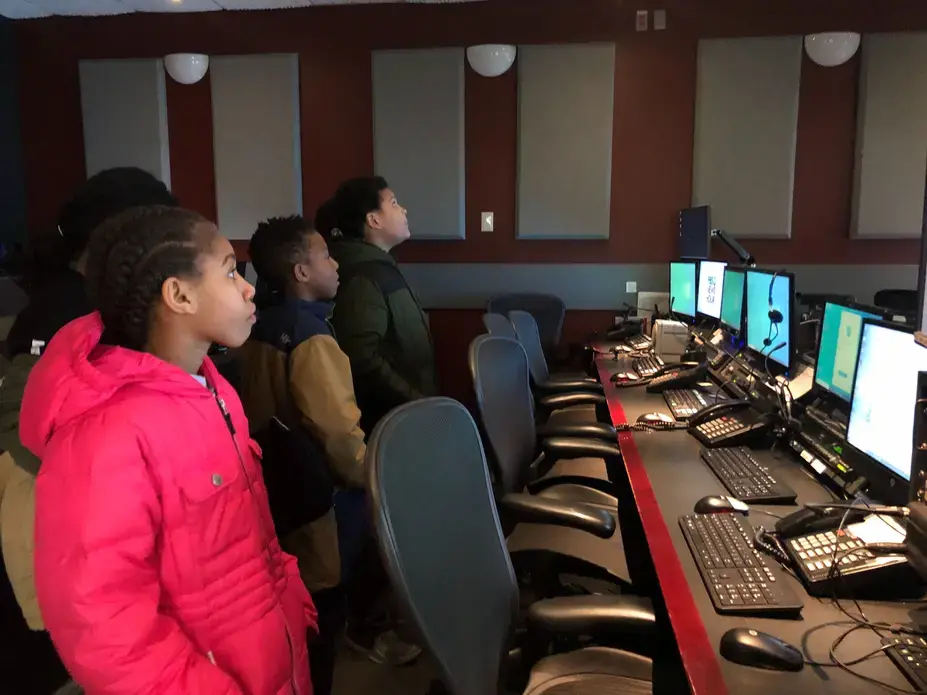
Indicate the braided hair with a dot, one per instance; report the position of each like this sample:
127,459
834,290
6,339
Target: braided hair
129,258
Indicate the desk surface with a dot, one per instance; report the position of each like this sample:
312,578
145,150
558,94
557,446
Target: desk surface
667,478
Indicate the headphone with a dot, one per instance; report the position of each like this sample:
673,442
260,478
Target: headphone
775,316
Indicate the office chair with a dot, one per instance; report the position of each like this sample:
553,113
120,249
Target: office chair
570,468
899,301
526,329
547,309
497,324
444,551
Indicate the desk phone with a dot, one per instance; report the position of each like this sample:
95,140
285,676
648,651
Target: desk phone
732,423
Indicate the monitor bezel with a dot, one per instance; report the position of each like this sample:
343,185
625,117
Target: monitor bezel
701,315
674,313
693,208
736,332
772,361
858,306
883,491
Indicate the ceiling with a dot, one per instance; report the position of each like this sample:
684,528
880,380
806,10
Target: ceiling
28,9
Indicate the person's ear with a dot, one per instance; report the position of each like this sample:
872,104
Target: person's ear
179,296
373,220
301,272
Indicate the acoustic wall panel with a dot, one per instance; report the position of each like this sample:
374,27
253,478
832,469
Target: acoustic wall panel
255,125
124,109
565,126
746,120
891,142
418,136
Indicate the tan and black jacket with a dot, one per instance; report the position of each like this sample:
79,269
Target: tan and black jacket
316,390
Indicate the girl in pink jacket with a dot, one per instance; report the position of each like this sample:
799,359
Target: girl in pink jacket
157,567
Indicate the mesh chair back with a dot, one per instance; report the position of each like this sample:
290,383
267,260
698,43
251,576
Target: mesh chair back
527,331
441,541
901,301
497,324
499,368
547,309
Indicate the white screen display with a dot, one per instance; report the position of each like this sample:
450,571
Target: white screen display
710,286
882,410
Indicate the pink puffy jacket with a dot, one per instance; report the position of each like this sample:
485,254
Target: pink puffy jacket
157,567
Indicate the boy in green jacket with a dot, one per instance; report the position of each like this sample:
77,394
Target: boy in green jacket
378,319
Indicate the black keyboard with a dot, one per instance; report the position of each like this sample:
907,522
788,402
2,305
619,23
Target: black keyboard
683,403
746,478
647,366
909,655
739,580
639,341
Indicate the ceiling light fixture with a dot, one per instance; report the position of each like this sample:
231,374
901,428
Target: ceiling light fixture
491,59
832,48
186,68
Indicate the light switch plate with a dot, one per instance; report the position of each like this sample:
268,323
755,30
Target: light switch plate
486,221
630,287
641,20
659,20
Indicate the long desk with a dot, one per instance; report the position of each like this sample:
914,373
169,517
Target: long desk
667,477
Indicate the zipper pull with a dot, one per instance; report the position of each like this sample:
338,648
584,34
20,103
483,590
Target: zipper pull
225,412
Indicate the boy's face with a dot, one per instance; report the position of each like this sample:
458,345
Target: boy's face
390,223
318,273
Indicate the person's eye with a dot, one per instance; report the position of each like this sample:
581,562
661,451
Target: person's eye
233,272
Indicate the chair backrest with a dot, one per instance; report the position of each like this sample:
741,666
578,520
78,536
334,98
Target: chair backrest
440,538
499,368
527,331
901,301
499,325
547,309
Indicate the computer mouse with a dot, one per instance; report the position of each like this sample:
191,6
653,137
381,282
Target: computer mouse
625,376
747,647
622,348
655,418
715,504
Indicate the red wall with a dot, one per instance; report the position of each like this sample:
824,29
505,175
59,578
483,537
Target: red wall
653,135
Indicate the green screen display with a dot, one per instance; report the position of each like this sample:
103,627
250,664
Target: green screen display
682,288
732,300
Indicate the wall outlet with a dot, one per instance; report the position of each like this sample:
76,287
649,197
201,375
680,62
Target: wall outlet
630,287
659,20
486,221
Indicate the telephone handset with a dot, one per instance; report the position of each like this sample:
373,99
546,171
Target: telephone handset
731,423
677,376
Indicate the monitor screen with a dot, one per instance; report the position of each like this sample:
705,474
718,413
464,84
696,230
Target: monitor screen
768,339
710,288
682,289
884,394
694,232
732,300
837,350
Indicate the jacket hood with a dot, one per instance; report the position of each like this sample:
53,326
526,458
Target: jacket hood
77,374
289,322
350,252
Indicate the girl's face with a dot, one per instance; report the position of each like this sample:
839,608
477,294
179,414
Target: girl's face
224,308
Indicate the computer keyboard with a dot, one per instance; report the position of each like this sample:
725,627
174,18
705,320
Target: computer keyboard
909,655
647,366
683,403
639,341
746,478
739,580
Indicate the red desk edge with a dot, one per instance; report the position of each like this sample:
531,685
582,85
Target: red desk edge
699,657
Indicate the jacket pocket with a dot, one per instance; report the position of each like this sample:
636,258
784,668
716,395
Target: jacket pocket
215,503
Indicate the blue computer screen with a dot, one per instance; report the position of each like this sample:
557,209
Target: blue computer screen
841,328
759,326
732,300
682,288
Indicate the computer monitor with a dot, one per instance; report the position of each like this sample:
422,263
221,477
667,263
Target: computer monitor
732,301
682,289
695,232
770,311
884,394
710,288
838,348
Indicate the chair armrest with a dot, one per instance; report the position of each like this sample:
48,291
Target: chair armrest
555,386
599,616
541,510
568,448
586,430
565,400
